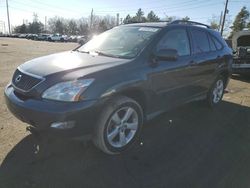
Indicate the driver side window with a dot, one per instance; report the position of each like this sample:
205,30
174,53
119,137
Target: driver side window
175,39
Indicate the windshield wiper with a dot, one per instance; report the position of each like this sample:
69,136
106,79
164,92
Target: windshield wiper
87,52
105,54
99,53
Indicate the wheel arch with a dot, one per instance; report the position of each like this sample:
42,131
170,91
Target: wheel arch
134,93
137,95
226,75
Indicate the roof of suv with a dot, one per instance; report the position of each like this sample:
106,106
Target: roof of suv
183,23
149,24
165,24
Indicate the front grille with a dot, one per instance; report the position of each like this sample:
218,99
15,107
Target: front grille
24,81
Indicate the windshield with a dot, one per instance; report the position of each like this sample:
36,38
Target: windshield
122,42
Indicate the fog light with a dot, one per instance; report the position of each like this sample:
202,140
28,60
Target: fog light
63,125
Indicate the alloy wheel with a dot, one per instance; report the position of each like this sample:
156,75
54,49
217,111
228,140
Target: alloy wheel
122,127
218,91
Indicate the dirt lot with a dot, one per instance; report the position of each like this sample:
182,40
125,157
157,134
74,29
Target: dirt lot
191,146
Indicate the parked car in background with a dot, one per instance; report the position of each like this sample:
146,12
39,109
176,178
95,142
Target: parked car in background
241,48
72,38
58,37
13,35
23,35
31,36
81,40
106,89
42,37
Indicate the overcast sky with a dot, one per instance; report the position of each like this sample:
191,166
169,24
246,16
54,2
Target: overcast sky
197,10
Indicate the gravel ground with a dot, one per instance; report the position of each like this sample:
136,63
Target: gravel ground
192,146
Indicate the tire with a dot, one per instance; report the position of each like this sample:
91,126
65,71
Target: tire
49,39
61,40
216,92
118,126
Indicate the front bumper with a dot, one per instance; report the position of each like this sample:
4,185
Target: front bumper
40,114
241,68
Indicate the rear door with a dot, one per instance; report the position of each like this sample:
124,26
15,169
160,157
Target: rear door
205,57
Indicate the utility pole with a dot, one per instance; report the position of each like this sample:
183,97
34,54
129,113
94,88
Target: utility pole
45,24
91,20
4,29
7,5
1,27
117,19
221,16
224,17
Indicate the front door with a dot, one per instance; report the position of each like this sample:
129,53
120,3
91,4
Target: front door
171,80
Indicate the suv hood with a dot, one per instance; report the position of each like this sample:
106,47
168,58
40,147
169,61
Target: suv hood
67,61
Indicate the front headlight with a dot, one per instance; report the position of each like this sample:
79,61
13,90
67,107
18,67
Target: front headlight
67,91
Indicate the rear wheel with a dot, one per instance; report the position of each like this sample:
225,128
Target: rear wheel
119,125
216,92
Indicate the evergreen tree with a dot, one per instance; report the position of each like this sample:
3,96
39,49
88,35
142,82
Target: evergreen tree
240,21
152,17
21,29
139,15
248,25
186,18
127,20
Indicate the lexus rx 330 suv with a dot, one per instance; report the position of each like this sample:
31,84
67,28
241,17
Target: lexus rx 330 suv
107,88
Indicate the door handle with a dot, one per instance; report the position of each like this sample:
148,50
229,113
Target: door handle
192,63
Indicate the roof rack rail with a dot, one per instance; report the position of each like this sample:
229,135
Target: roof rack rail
189,22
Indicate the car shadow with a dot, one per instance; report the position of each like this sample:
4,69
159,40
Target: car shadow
192,146
243,78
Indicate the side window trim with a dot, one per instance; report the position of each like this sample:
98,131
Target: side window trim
214,38
193,40
210,39
189,30
189,41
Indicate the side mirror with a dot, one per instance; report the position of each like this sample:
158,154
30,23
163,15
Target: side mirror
167,54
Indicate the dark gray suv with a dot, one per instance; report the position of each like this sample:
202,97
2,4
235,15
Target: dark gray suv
107,88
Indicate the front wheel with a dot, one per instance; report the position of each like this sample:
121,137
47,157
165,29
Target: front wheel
119,125
216,92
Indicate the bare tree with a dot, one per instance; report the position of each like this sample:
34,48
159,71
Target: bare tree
72,28
215,22
83,26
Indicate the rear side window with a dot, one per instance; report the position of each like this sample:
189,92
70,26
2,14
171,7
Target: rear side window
217,43
175,39
212,44
200,40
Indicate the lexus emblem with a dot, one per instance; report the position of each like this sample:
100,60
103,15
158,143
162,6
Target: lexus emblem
18,78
